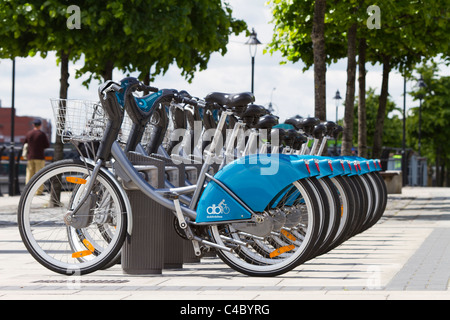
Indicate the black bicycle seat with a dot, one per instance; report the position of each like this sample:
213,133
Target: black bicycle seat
267,122
254,110
307,124
281,134
329,125
293,121
230,100
290,137
299,140
319,130
337,130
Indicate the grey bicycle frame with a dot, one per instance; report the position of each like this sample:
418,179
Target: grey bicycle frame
123,166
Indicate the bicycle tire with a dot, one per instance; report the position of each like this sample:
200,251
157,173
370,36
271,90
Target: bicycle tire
349,207
72,255
334,211
254,263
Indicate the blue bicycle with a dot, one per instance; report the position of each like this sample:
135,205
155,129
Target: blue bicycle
262,213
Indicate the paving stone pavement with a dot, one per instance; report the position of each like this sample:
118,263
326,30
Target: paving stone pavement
404,256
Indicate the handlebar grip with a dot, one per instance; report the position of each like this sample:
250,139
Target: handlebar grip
111,86
189,101
143,87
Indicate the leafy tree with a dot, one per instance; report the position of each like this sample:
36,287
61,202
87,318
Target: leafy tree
128,35
319,52
297,25
340,35
410,32
154,35
392,136
432,121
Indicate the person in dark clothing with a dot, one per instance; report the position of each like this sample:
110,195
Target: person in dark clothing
37,142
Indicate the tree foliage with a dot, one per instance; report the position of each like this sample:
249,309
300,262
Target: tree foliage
392,136
154,35
430,120
132,35
411,32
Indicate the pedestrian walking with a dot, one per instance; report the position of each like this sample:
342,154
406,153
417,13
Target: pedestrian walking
37,142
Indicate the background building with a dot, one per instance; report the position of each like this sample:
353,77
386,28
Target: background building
22,124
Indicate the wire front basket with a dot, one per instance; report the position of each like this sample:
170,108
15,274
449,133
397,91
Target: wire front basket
79,120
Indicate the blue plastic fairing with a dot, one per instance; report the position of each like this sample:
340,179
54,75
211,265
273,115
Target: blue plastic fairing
256,180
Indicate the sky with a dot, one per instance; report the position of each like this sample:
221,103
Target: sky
290,90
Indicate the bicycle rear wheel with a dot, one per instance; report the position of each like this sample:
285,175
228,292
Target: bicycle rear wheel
58,246
278,252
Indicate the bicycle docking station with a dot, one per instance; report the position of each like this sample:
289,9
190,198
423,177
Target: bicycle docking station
154,244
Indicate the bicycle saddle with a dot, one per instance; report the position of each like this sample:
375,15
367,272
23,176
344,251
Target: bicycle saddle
230,100
267,122
281,134
330,126
293,121
290,137
337,130
319,131
307,124
254,110
299,140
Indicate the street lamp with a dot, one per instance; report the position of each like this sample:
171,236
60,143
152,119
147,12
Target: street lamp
270,107
253,43
404,162
337,98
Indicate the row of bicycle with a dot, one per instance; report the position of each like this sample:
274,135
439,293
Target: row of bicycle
263,198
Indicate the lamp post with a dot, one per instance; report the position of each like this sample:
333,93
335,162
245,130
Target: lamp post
253,43
337,98
420,96
404,172
12,165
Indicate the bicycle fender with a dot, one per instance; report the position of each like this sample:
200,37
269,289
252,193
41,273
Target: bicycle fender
255,180
338,168
324,165
370,164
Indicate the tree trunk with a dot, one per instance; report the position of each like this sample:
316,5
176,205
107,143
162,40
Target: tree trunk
447,173
347,135
442,179
381,115
362,112
58,153
438,166
107,72
63,89
147,82
318,39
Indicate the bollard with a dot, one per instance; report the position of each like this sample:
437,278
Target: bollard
143,250
173,243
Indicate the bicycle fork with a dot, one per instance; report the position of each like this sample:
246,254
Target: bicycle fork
81,216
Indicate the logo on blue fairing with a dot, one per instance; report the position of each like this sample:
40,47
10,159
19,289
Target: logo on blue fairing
216,211
219,206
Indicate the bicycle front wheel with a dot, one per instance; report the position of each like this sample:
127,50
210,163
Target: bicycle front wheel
64,249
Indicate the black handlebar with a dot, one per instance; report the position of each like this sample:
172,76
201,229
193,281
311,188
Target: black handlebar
114,111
